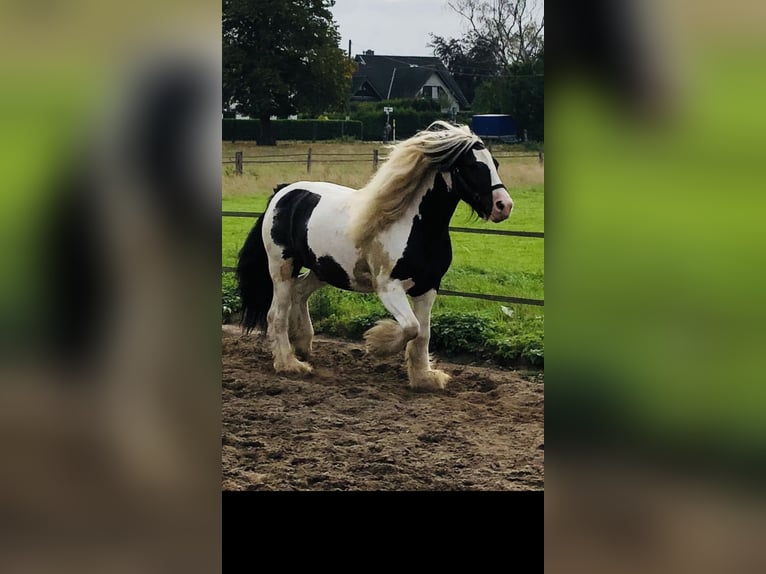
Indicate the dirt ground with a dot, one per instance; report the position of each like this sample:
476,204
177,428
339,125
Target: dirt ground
354,424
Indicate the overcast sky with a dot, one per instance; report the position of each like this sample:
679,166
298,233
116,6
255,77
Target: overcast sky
394,27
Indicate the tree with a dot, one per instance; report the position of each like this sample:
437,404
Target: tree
281,57
515,27
519,92
507,37
470,60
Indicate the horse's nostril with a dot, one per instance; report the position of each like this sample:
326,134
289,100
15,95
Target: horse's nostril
499,204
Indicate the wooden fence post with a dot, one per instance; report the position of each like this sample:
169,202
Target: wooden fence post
308,162
540,156
374,160
238,162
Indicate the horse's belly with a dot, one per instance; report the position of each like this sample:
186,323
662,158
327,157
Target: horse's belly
336,256
339,271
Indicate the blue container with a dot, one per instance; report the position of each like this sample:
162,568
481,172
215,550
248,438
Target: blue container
493,125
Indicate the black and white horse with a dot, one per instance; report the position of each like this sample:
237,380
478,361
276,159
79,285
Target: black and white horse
391,237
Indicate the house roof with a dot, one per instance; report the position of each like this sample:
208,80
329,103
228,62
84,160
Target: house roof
392,77
363,89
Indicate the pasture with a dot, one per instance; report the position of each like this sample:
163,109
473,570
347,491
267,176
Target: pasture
354,423
511,266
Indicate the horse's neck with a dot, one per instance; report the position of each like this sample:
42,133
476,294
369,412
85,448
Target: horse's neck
437,206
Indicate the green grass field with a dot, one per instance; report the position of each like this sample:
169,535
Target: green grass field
511,266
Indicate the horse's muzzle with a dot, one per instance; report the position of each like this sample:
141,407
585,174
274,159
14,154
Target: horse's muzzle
502,204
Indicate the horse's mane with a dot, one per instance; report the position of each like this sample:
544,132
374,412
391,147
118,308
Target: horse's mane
411,165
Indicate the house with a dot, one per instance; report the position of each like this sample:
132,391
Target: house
392,77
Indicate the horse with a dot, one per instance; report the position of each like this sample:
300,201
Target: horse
390,237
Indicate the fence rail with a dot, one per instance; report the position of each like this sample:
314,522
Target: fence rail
358,154
498,298
538,234
308,158
482,296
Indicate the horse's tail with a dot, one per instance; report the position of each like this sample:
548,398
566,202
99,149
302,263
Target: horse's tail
256,289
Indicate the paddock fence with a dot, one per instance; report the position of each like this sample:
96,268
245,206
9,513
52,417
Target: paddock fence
449,293
310,158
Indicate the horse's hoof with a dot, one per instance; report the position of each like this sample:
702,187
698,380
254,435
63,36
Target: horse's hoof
386,338
294,367
433,380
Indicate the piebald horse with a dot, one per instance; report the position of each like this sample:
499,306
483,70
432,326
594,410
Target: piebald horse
390,237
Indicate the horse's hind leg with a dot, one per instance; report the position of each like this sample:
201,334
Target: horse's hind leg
279,319
301,330
418,361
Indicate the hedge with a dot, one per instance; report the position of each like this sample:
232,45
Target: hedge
367,125
313,130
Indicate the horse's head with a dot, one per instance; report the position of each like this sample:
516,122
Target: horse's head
476,181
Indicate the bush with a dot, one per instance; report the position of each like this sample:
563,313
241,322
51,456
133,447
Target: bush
367,122
241,130
524,346
486,337
411,115
231,304
456,333
344,314
340,314
309,130
417,104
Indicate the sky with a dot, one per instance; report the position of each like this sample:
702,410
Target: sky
394,27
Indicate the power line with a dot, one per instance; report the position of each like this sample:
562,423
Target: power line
497,75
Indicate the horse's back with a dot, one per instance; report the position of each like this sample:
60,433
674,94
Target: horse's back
320,188
297,204
307,222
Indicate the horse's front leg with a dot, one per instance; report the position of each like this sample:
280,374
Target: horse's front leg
418,361
279,322
389,337
410,330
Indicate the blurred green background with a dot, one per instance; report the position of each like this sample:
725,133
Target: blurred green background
655,254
